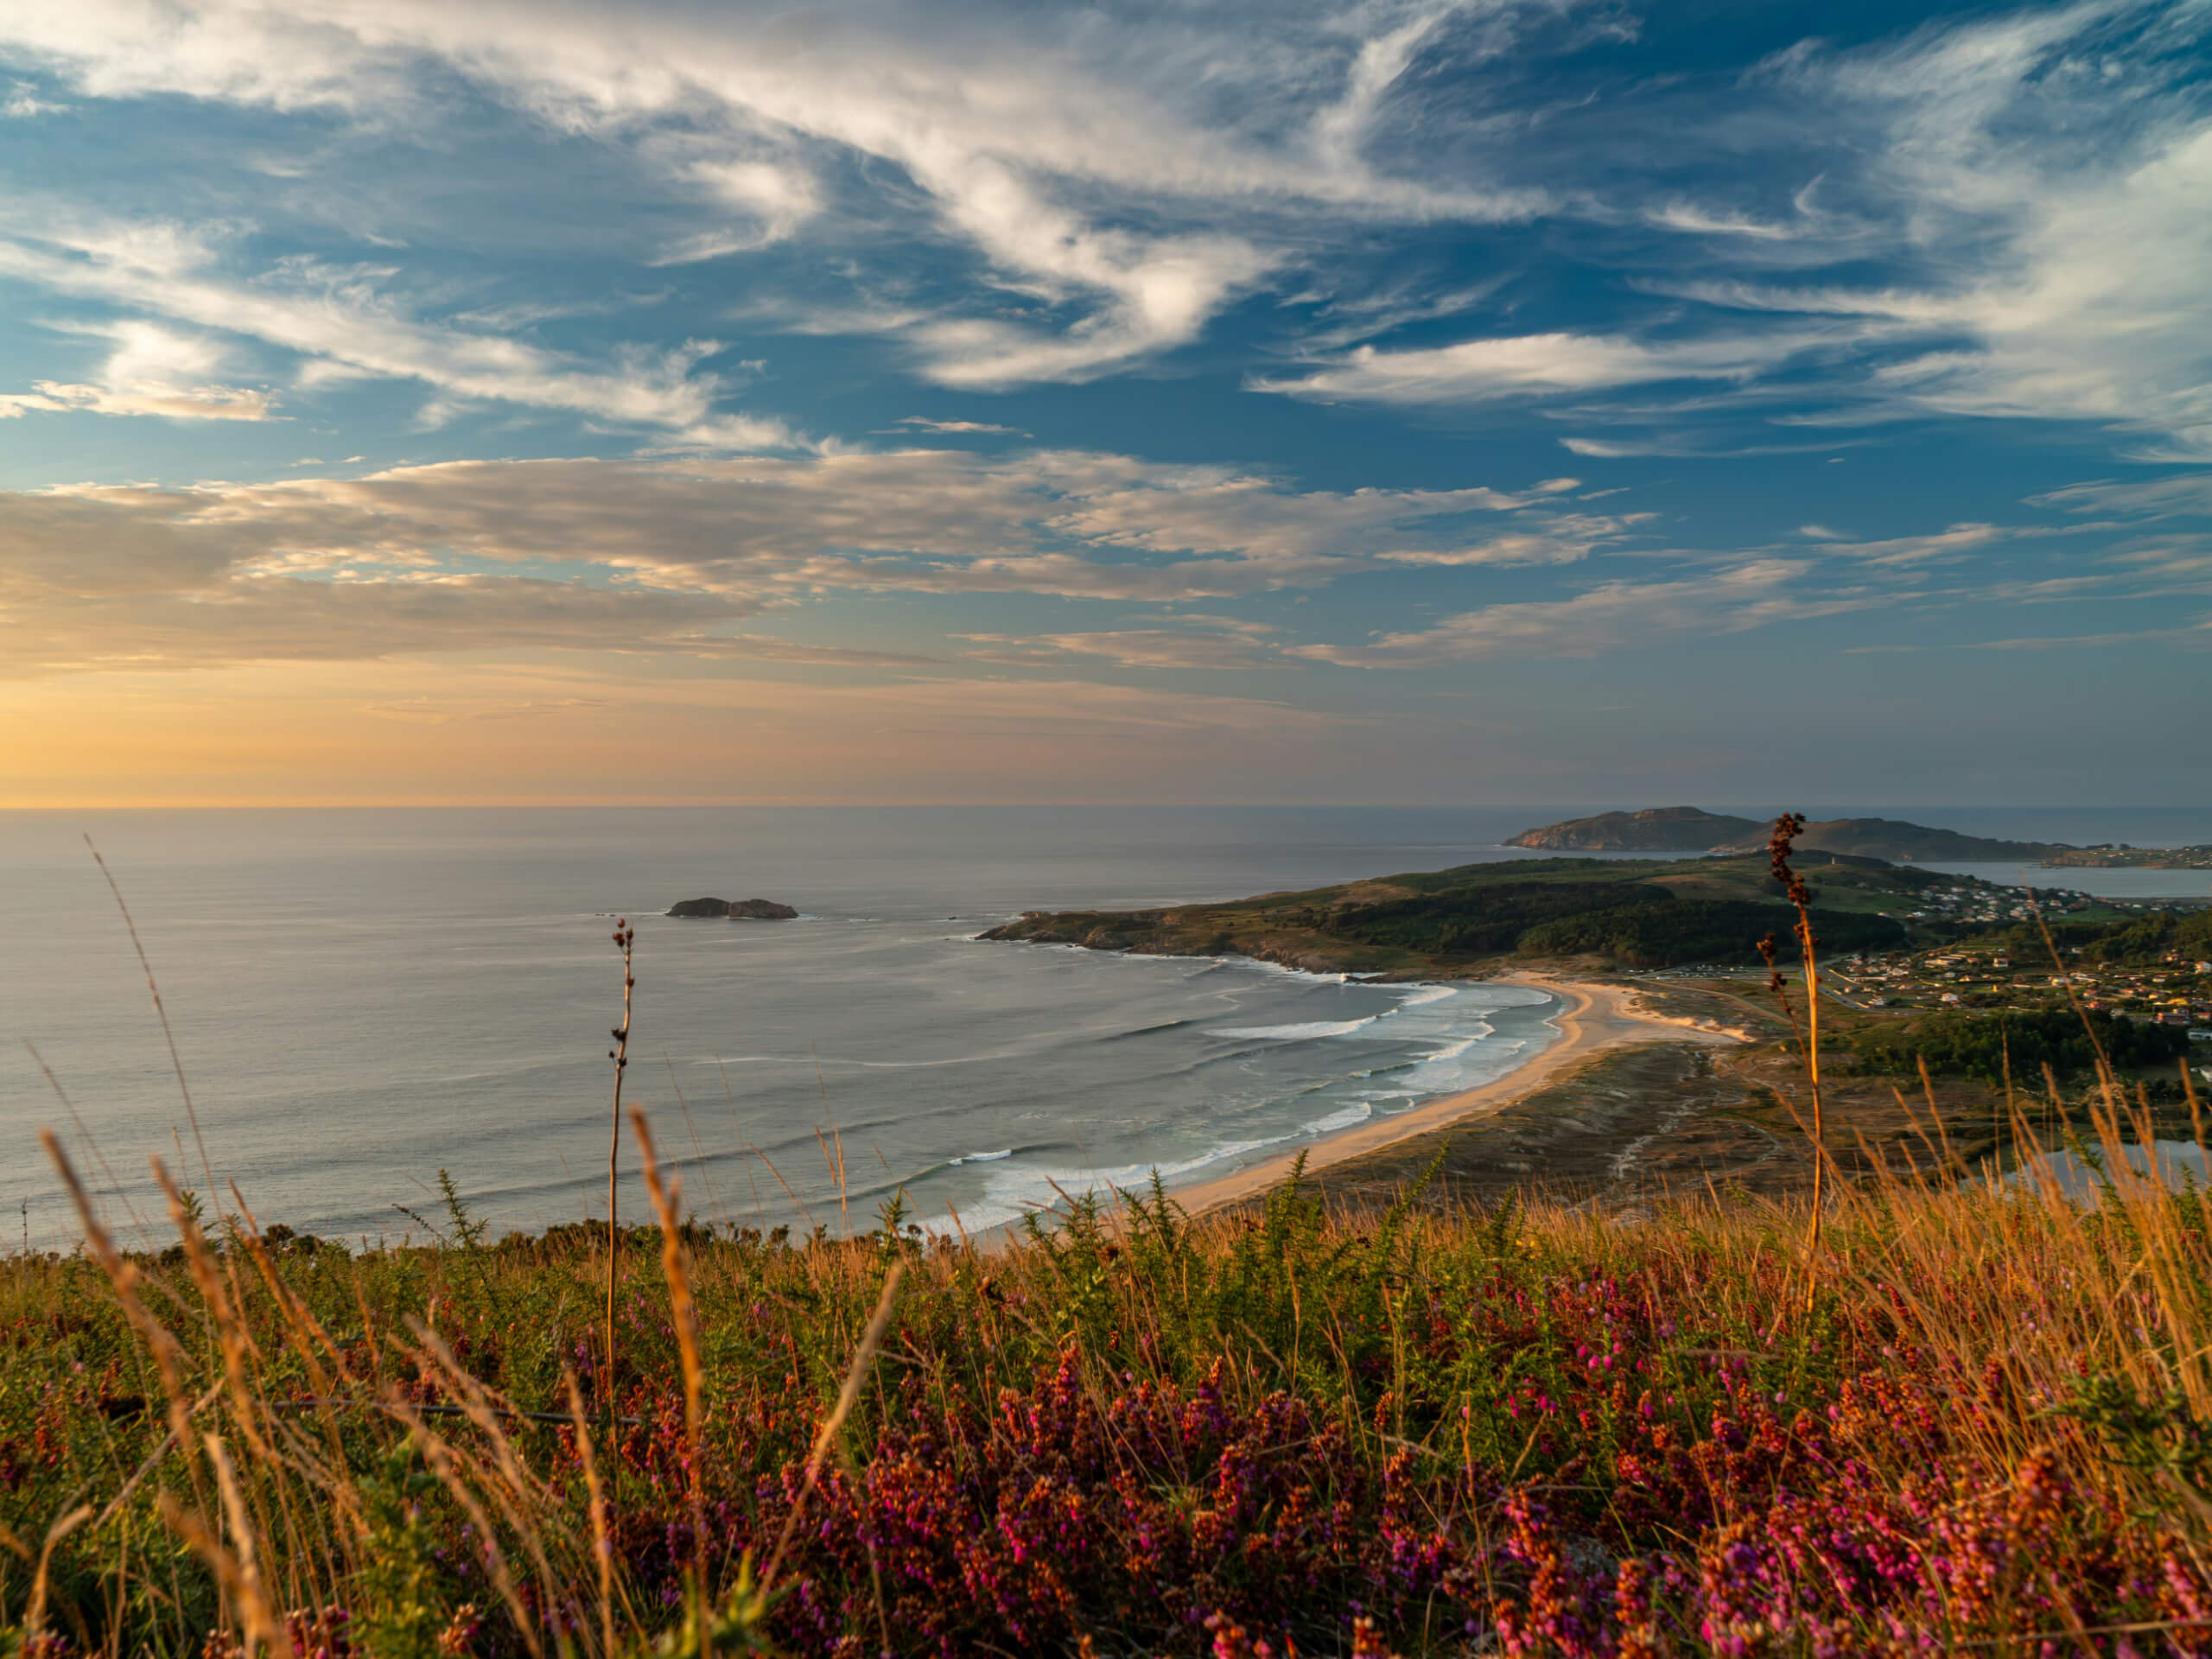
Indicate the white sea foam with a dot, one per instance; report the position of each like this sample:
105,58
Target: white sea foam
983,1157
1421,995
1358,1112
1298,1033
1016,1190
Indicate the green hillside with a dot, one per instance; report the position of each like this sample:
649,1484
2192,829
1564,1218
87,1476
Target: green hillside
1635,912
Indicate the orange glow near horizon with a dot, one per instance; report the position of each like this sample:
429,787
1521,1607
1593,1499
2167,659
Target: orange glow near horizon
408,733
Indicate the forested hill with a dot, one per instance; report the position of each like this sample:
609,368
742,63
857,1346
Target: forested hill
1474,919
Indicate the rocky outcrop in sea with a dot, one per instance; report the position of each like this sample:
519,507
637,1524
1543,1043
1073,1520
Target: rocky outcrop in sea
735,909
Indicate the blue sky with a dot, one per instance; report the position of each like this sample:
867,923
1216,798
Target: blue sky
1422,402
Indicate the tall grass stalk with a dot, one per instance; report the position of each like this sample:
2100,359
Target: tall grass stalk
1787,829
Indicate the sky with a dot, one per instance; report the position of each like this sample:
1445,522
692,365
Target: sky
1572,401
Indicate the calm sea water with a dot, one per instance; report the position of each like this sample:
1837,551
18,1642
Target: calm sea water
363,998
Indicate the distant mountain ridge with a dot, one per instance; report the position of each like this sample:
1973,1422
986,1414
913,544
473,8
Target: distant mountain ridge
1690,829
1655,829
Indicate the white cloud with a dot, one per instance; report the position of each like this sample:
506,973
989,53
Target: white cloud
1957,543
772,199
1619,615
1213,642
23,103
1477,371
1163,290
181,403
2179,494
2197,633
1701,221
344,325
922,423
1707,445
152,371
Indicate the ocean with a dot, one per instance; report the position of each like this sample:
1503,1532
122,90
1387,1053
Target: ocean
361,999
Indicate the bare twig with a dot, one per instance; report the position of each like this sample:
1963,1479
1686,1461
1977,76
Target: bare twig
626,939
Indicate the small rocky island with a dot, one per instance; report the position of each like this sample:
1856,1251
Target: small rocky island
735,909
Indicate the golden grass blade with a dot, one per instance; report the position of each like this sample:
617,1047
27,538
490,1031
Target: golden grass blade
675,1265
855,1377
602,1546
34,1615
123,1276
440,1454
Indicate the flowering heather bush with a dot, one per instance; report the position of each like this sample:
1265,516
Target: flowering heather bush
1527,1433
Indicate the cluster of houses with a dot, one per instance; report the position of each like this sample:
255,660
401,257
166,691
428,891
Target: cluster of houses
1973,900
2176,991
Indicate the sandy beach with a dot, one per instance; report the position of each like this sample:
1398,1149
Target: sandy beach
1595,1018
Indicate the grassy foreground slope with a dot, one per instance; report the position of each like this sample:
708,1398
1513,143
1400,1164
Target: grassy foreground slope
1466,920
1520,1432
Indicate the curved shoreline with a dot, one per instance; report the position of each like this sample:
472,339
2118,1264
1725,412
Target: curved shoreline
1596,1018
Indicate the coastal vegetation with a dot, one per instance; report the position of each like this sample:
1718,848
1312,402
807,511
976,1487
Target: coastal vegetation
2001,1048
1522,1430
2157,936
